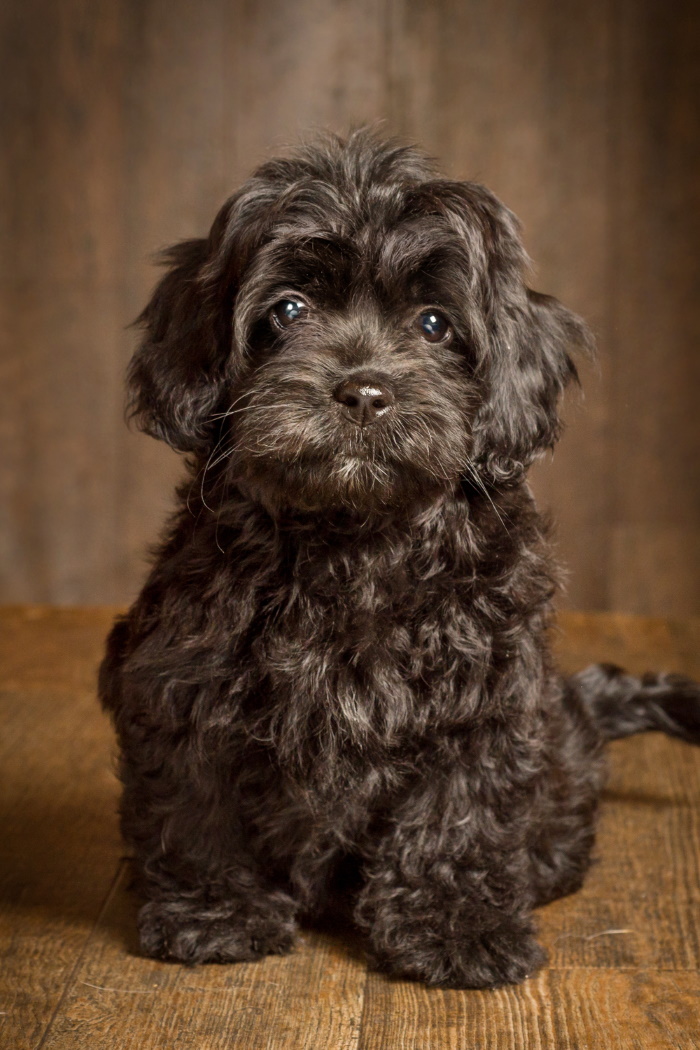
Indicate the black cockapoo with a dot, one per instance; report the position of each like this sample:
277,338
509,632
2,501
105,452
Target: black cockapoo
336,683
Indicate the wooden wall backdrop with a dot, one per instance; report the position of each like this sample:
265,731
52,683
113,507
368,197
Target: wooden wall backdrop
124,124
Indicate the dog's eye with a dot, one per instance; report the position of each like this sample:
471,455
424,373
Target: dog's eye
433,326
287,311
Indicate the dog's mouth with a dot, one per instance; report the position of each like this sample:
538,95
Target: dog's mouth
312,459
357,479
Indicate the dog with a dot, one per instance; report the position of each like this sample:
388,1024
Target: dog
335,689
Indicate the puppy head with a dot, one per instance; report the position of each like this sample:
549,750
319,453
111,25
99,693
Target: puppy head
355,332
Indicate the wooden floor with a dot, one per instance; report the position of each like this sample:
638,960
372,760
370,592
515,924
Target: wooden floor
624,953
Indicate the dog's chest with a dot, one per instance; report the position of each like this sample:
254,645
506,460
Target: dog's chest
373,637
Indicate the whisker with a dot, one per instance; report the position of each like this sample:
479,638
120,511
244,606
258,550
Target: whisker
223,415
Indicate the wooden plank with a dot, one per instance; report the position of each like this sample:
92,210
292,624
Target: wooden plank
316,64
125,125
42,646
582,1009
655,153
637,643
631,929
652,841
60,377
60,846
311,1000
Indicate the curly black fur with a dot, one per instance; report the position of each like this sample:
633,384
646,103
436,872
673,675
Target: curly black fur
337,674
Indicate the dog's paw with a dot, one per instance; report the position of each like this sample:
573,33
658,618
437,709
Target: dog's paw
502,956
227,932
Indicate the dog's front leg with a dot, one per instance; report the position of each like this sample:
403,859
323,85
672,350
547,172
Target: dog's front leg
447,898
208,898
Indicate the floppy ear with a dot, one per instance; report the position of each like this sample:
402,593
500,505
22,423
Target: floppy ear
175,378
177,375
528,341
529,365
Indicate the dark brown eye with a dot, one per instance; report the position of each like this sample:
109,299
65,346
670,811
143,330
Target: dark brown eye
287,311
433,326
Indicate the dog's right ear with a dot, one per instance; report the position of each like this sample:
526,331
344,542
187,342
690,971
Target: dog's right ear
176,375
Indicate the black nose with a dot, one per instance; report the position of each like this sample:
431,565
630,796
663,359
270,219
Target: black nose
365,399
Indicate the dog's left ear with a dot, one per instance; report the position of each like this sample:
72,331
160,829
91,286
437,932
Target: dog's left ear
529,366
526,341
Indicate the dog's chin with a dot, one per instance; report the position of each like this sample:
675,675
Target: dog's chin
349,482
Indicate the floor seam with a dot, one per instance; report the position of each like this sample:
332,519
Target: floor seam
70,980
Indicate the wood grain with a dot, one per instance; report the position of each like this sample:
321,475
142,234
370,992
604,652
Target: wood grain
60,846
624,953
584,1009
311,1000
124,127
60,294
657,269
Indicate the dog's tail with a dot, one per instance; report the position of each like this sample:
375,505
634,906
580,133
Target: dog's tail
622,704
